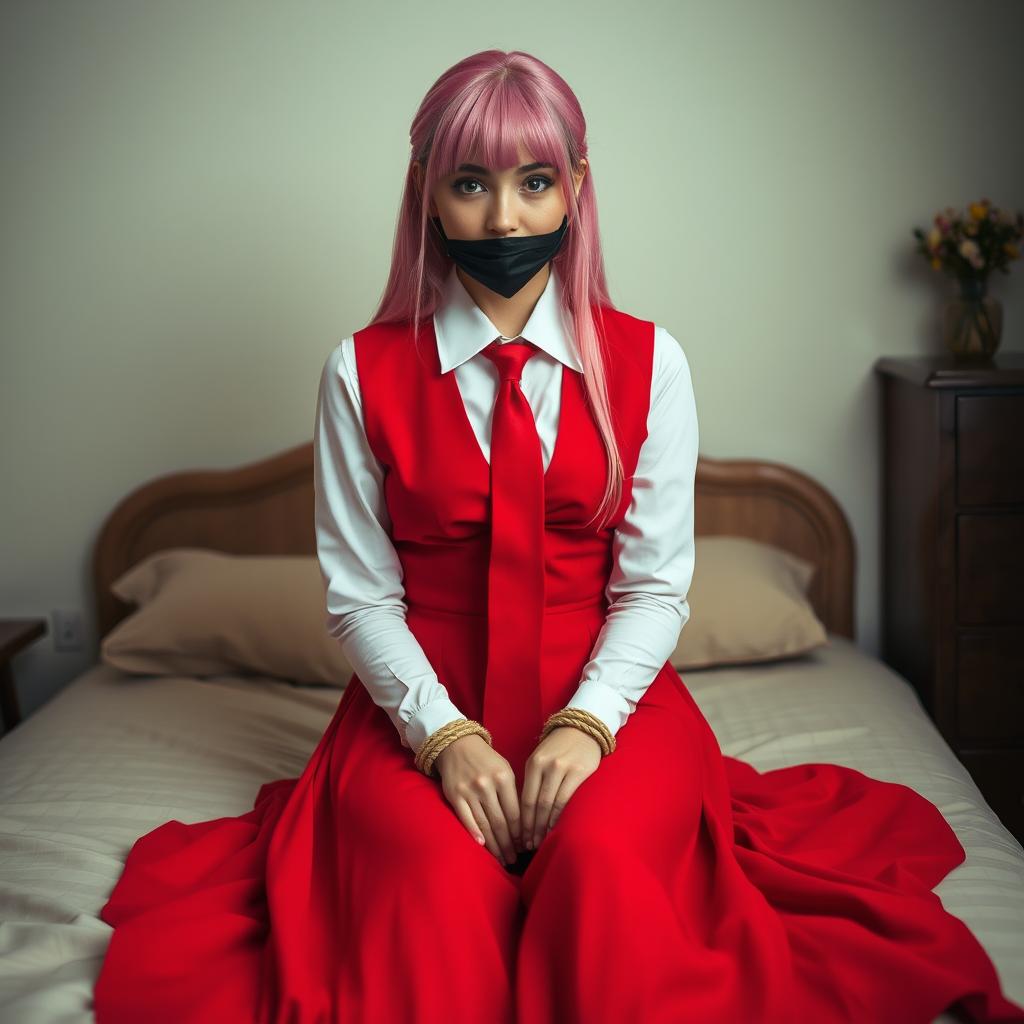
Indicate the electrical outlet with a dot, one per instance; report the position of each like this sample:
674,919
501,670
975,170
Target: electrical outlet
67,630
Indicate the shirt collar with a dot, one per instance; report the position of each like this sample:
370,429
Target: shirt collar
463,329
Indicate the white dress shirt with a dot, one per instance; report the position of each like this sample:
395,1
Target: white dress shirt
653,548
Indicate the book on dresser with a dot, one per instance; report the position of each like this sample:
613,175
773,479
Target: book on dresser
953,557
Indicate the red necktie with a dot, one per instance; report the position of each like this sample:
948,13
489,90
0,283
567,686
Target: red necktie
515,613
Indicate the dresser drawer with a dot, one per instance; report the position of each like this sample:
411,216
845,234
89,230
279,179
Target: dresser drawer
990,568
990,687
999,774
990,449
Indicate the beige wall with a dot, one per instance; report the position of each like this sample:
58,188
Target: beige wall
199,201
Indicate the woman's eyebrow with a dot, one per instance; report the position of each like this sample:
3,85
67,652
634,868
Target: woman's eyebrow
477,169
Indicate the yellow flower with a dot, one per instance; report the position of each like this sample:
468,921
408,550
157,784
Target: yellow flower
1011,250
979,211
936,263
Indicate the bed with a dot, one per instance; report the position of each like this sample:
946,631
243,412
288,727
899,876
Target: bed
116,754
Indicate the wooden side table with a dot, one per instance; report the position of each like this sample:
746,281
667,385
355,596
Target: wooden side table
953,557
15,635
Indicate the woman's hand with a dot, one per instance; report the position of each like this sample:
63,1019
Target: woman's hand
481,786
560,762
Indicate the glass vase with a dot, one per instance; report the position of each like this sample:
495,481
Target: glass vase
972,321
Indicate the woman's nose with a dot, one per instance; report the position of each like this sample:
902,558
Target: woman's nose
502,217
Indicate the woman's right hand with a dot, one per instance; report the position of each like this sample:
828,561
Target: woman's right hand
481,787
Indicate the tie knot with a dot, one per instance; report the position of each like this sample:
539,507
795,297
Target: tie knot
510,358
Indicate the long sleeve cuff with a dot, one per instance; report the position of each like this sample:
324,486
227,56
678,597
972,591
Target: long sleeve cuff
428,719
602,701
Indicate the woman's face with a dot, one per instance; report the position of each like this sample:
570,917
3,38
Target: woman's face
477,202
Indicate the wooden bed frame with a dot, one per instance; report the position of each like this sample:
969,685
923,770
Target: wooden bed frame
266,507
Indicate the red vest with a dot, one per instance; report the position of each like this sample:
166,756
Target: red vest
437,488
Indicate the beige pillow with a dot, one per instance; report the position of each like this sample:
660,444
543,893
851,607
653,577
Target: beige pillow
204,613
748,602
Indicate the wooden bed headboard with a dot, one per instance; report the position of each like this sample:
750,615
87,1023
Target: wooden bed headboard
266,507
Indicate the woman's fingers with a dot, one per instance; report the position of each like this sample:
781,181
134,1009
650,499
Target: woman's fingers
551,779
480,785
482,814
491,823
570,783
465,814
483,826
528,802
493,806
559,764
509,800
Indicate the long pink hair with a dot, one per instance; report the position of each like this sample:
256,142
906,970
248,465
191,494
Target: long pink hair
481,110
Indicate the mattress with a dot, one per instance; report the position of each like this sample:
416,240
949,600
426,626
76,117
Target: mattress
113,756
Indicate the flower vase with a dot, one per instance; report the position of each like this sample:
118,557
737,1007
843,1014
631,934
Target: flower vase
972,321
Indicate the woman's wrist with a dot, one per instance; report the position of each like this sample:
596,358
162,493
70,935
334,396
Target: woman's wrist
584,721
439,759
439,741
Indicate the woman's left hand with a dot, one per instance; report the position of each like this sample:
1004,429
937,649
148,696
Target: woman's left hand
553,772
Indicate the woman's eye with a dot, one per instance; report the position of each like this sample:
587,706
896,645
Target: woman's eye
540,177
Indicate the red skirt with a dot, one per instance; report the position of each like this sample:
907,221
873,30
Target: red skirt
678,884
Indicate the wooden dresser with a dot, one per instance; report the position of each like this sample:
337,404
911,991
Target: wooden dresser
953,557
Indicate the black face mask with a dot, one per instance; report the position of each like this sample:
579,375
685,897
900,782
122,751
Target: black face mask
503,264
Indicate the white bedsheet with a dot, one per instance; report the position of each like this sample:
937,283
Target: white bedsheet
113,756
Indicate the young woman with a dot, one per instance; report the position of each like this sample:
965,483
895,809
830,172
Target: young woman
518,813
